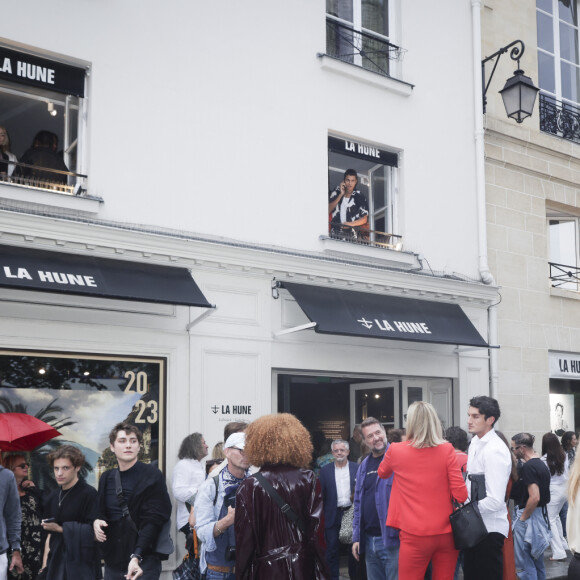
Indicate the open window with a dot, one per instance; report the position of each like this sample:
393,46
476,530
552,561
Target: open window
564,264
559,67
42,95
376,183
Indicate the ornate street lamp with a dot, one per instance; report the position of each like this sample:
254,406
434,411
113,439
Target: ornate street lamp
519,92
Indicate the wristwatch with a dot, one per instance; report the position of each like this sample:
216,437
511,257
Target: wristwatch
138,556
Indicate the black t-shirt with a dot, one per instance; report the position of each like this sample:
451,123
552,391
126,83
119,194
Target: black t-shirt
535,471
372,526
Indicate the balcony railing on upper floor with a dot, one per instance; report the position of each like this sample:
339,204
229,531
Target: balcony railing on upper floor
563,276
361,48
558,118
365,237
44,178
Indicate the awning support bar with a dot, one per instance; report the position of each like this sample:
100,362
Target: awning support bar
201,317
460,349
296,329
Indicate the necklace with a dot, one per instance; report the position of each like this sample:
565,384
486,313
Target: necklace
61,497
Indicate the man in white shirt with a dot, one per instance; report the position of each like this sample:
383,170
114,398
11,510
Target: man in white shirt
488,466
337,482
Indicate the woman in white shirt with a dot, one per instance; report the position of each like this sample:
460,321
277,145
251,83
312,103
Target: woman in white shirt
188,475
5,154
557,461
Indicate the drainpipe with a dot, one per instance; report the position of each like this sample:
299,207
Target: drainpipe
486,276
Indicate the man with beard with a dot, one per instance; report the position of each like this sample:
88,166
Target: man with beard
370,534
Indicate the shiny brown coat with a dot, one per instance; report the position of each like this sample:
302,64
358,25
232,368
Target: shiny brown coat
268,546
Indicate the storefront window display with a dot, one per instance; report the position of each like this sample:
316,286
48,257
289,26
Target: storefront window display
564,392
83,397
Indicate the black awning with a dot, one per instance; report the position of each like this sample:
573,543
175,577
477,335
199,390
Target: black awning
31,269
349,313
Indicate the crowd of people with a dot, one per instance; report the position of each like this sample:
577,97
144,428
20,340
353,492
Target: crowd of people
40,162
259,510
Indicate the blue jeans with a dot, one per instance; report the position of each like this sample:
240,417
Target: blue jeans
213,575
382,563
526,567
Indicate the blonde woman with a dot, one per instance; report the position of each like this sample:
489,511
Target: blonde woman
426,476
5,154
573,520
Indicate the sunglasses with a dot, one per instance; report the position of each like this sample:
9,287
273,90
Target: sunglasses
22,465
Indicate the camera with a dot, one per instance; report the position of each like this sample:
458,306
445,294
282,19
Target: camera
230,553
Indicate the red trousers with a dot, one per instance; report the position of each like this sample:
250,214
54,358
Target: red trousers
416,552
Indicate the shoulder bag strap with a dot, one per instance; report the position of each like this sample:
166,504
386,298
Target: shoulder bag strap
120,498
284,507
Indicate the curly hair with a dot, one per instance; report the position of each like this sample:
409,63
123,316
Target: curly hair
278,438
70,452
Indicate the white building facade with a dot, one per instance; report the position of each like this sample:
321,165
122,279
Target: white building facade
205,140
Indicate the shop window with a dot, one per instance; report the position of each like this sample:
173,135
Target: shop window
83,397
372,193
563,239
564,392
360,32
42,112
559,67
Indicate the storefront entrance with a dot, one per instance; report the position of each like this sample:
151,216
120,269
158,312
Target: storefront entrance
333,405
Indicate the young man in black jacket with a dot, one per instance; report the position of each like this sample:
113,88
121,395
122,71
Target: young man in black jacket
129,539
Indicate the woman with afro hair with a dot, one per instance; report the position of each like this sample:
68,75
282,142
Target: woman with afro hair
268,544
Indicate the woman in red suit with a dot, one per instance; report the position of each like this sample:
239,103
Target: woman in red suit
426,477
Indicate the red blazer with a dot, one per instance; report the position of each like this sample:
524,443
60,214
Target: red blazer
425,479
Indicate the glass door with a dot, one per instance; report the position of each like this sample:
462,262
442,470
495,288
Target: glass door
379,399
438,392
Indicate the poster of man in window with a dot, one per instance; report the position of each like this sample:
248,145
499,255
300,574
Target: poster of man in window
561,414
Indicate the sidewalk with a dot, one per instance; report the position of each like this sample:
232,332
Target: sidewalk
554,570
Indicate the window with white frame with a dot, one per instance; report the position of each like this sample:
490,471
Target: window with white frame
559,67
373,194
563,257
42,122
360,32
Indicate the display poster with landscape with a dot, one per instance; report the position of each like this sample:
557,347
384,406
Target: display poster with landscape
83,397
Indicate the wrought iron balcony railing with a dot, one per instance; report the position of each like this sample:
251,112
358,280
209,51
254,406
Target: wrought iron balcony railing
365,237
558,118
361,48
563,276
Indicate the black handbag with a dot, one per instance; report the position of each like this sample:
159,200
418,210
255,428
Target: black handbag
467,525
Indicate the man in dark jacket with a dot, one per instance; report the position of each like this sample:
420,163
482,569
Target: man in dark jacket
129,539
337,482
70,511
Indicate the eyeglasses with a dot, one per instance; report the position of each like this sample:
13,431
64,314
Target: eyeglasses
22,465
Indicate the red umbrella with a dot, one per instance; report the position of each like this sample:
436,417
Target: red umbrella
22,432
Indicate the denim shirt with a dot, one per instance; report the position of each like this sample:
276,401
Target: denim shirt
537,534
383,489
206,515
